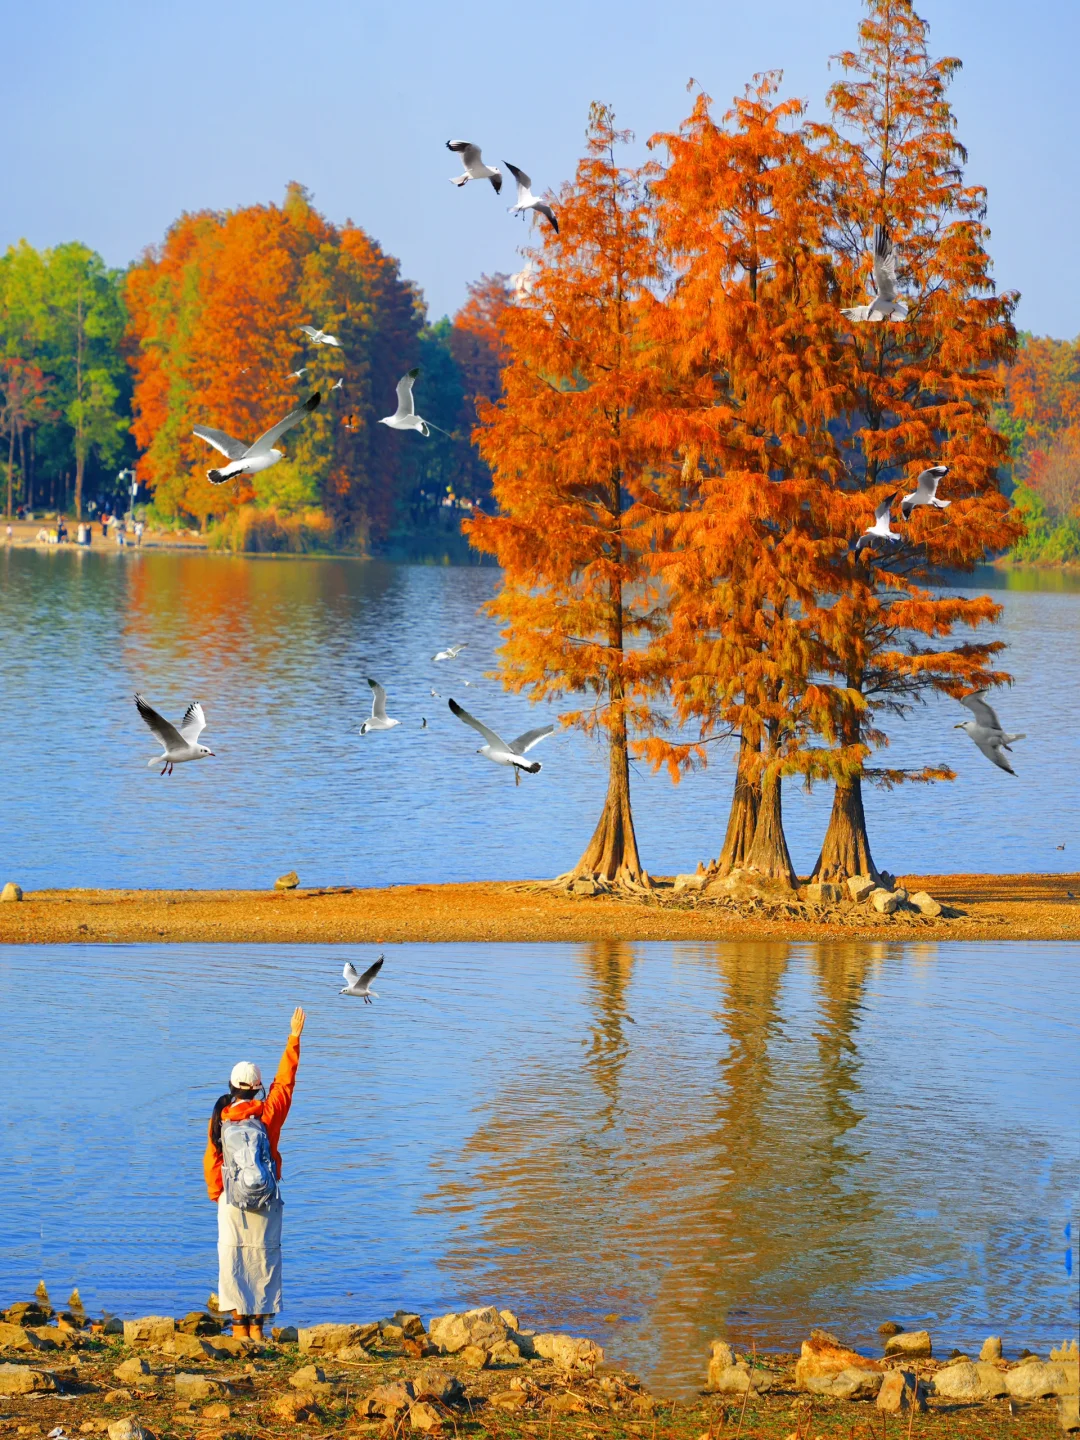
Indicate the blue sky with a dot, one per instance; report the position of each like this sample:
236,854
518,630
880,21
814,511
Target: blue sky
121,114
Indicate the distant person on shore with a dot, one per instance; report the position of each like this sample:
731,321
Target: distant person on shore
105,518
9,532
138,532
61,531
242,1166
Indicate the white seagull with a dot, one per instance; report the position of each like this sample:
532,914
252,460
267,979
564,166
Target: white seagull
885,305
378,720
496,748
320,337
986,730
475,169
250,459
925,492
177,745
405,416
297,374
879,534
526,200
523,280
361,984
450,653
338,383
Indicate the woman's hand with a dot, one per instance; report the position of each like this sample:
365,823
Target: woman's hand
298,1018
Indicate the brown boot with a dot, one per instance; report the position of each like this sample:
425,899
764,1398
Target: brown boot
240,1327
255,1329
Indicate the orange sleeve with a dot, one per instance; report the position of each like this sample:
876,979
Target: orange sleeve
212,1166
276,1105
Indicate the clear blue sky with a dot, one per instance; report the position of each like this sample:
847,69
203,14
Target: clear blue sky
123,113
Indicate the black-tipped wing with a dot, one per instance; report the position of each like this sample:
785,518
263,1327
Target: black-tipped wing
884,508
378,701
370,973
546,210
884,264
168,734
265,443
477,725
193,723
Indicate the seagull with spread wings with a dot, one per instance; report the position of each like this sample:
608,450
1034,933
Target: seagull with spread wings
178,744
474,167
986,730
498,750
526,200
886,304
320,337
361,984
879,535
251,459
925,492
451,652
405,416
378,719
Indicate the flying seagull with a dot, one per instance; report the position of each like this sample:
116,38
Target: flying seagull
925,492
297,374
250,459
475,169
177,745
450,653
378,720
522,282
361,984
879,534
338,384
435,695
405,416
320,337
986,730
526,200
885,305
496,749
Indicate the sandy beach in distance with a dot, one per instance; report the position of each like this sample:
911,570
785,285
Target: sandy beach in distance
994,907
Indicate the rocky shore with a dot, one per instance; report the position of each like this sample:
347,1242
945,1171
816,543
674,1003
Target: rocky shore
484,1372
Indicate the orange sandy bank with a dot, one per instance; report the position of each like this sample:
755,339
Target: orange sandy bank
995,907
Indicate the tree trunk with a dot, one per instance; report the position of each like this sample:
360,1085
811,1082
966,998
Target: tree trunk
845,850
612,853
769,852
742,819
10,468
80,466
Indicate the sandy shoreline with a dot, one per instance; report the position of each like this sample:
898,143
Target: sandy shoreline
995,907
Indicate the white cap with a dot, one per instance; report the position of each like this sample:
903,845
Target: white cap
246,1075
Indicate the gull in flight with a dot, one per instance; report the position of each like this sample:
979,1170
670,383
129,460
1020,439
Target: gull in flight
297,374
496,748
338,384
925,492
986,730
475,169
250,459
320,337
405,416
177,745
522,282
878,533
526,200
378,720
450,653
885,305
361,984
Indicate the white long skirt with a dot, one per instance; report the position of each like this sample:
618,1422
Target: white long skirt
249,1259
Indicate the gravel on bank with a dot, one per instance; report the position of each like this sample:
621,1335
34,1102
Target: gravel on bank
990,907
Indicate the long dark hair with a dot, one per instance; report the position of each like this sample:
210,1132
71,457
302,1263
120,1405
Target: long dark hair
236,1092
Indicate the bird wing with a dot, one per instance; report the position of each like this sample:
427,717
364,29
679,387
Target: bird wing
496,181
370,973
349,974
524,184
983,712
455,650
991,748
265,443
465,148
168,734
882,511
404,393
230,448
193,723
524,743
545,209
884,264
477,725
378,703
310,330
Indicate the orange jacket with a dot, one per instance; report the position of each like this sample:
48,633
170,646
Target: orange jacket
271,1112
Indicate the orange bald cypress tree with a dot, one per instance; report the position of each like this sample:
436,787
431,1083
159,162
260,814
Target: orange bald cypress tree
918,392
572,447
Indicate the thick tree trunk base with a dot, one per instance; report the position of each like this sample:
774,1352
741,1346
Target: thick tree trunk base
742,822
611,856
769,853
845,850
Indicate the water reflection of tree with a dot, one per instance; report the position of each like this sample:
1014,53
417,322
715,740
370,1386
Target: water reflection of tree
696,1173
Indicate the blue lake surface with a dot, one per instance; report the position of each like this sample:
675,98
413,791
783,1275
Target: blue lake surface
739,1139
278,650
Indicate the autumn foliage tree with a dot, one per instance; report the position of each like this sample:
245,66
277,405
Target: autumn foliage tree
572,445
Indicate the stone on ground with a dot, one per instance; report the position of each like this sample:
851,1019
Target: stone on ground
924,903
508,1400
199,1387
134,1371
475,1356
1069,1414
822,893
569,1352
1039,1378
910,1345
217,1411
991,1348
898,1392
308,1377
824,1355
860,887
423,1416
885,902
966,1380
284,1334
287,882
297,1406
682,882
149,1330
390,1400
439,1386
18,1337
128,1429
11,893
187,1347
23,1380
856,1382
199,1322
328,1339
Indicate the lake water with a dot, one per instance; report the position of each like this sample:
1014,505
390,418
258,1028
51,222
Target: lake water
277,650
739,1139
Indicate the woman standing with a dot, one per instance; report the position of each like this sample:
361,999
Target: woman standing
242,1165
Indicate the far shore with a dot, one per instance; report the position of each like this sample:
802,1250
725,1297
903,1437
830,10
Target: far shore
987,907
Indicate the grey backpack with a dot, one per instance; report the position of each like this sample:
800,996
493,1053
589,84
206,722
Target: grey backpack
247,1166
